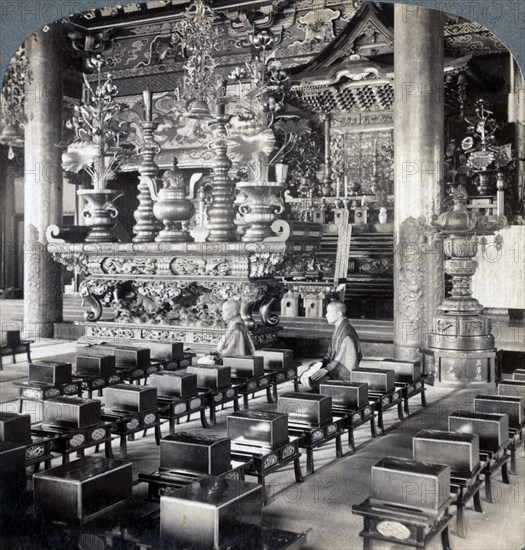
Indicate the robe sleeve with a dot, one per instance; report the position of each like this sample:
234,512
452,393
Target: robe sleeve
345,355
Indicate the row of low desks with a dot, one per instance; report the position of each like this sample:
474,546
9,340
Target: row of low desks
133,525
64,441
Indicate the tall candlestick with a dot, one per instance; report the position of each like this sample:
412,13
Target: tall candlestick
148,104
338,188
374,165
346,185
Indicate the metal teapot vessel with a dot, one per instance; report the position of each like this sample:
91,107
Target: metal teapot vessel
171,207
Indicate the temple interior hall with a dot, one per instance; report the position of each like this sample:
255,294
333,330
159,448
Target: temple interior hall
262,280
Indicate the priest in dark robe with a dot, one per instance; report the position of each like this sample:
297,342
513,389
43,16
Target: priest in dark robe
344,351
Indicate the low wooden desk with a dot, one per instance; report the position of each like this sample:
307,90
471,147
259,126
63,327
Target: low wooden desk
32,391
165,482
177,363
385,401
176,408
136,526
38,451
465,486
495,461
354,418
263,462
97,382
281,376
312,437
250,386
411,389
70,440
15,347
398,525
216,398
517,438
127,424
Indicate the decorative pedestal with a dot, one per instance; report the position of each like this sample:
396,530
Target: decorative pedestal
461,347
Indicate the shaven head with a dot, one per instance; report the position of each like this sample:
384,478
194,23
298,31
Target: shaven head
335,311
336,305
230,308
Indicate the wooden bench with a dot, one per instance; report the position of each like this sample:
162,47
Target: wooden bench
10,344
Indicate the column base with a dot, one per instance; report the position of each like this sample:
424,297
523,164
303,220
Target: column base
464,369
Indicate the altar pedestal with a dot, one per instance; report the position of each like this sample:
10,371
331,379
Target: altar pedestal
173,292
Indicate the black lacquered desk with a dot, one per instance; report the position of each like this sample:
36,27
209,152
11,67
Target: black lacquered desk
216,398
493,462
385,401
176,408
69,440
412,389
313,437
465,486
126,424
406,527
250,386
165,482
354,418
264,461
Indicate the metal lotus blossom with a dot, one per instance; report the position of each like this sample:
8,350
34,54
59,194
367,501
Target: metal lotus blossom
101,140
249,140
197,36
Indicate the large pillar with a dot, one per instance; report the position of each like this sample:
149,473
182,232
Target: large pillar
418,173
43,181
7,220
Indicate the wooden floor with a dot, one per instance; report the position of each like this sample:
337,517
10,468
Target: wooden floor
321,505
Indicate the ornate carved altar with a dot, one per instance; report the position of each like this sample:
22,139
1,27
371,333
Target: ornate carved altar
174,291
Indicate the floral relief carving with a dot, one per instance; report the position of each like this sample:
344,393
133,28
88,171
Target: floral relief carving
77,261
129,266
376,266
179,303
186,266
264,263
112,332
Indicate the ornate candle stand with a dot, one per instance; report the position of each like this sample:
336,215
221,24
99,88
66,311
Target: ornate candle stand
221,212
146,227
485,158
461,348
260,209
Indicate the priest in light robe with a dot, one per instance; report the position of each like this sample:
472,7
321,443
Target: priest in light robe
237,339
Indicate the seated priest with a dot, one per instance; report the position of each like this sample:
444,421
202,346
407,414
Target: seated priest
236,341
344,351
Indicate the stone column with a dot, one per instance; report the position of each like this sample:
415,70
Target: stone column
418,173
43,181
